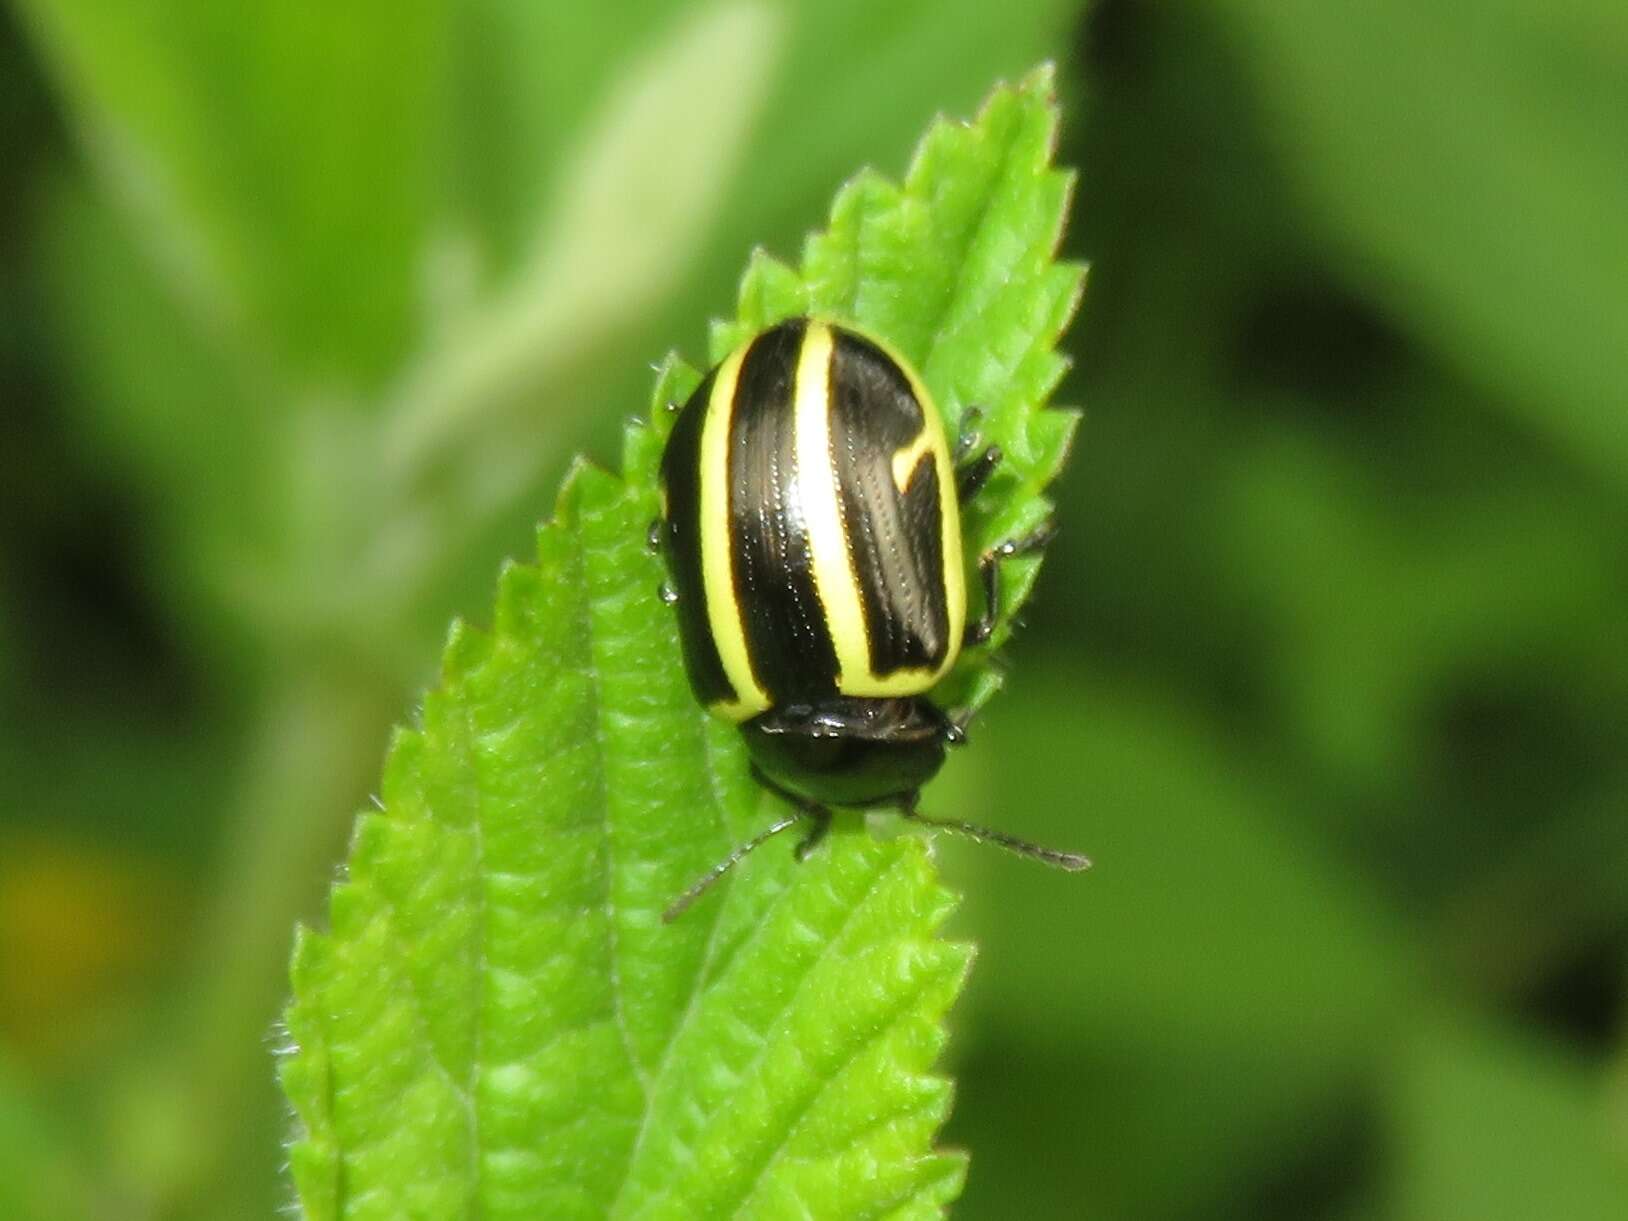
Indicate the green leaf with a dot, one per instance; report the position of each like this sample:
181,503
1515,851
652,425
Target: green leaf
498,1021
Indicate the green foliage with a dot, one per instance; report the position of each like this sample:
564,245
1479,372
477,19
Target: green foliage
498,1020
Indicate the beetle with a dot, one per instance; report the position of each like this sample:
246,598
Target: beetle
811,520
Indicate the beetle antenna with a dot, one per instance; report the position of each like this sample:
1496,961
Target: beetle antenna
1073,862
684,901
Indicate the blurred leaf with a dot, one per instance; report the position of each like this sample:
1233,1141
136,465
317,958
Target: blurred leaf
899,65
281,163
530,75
149,401
1204,995
499,1020
1470,169
1496,1128
1235,908
616,234
1555,891
1420,593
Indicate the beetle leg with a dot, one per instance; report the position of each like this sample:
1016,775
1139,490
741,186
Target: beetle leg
989,573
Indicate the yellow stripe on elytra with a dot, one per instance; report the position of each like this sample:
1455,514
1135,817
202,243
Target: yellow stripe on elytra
822,514
717,556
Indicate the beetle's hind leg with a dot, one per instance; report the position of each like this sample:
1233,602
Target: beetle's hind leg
989,572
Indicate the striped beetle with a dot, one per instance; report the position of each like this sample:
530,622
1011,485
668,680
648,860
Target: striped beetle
811,519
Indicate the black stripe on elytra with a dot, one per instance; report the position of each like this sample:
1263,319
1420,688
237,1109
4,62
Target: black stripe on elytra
681,476
784,624
895,541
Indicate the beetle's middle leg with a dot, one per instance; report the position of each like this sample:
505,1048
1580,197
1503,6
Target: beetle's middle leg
989,573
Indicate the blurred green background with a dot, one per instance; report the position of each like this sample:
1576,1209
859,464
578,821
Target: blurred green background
303,308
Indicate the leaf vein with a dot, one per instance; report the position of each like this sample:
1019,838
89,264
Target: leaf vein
699,988
477,1035
602,754
826,949
898,1012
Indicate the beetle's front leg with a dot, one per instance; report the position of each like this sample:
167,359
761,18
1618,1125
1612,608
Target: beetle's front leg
968,438
971,476
821,817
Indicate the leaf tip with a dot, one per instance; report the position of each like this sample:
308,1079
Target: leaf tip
1040,80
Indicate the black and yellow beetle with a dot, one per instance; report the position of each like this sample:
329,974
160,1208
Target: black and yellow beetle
811,519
